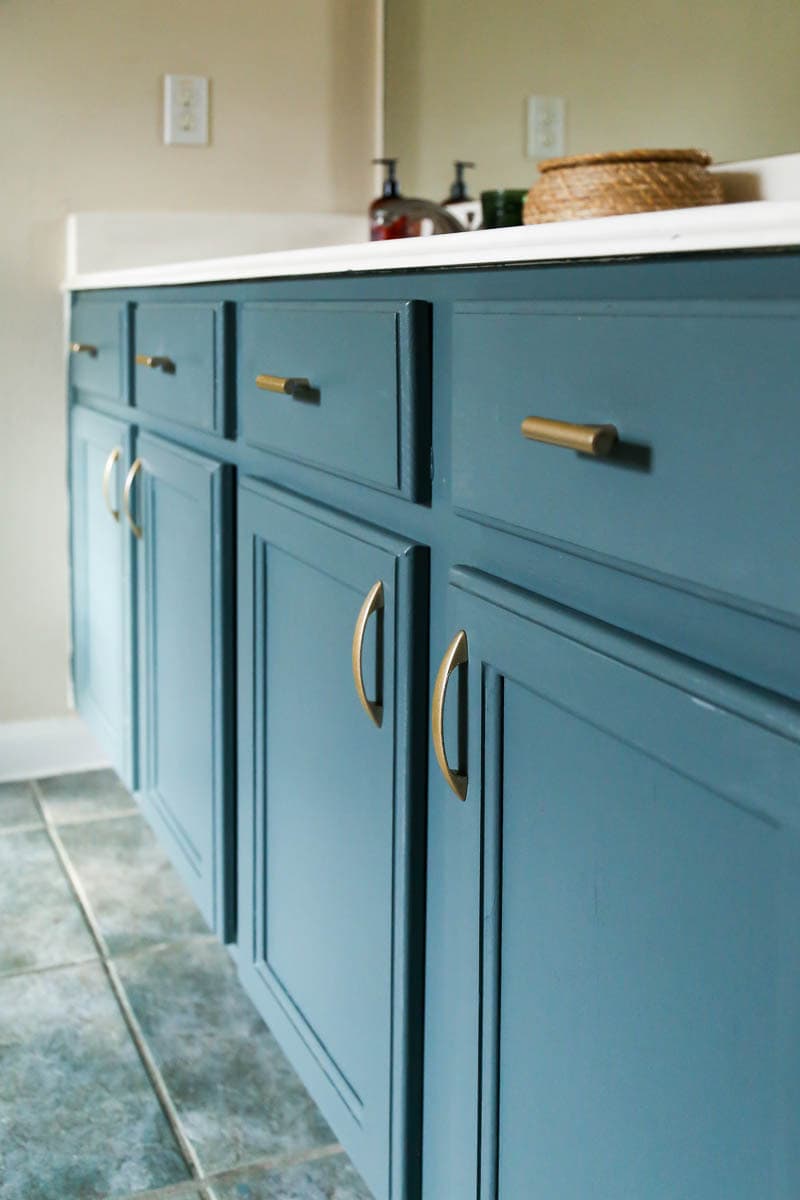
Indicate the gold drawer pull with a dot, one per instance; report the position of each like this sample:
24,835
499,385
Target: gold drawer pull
598,440
83,348
455,656
373,603
283,385
107,469
155,361
136,467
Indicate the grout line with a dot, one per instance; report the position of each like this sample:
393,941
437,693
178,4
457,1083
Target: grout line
134,1028
199,1181
64,966
96,819
38,827
10,830
243,1171
276,1162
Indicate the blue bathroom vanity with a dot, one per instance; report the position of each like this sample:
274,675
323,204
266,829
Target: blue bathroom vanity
482,750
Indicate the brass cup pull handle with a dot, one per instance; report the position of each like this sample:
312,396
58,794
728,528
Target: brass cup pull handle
156,362
455,656
373,602
113,457
83,348
136,467
598,440
283,385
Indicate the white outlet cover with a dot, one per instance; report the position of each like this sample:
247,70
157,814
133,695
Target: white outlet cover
546,133
185,110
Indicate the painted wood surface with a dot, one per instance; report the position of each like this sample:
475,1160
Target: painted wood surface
628,1022
102,586
330,809
102,369
667,667
702,396
191,386
184,652
365,414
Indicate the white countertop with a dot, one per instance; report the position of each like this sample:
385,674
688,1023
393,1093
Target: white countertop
773,221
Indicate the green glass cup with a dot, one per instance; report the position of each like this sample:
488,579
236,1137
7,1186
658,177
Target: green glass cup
502,207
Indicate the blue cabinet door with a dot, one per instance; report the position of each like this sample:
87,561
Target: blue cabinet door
183,511
330,811
102,593
635,837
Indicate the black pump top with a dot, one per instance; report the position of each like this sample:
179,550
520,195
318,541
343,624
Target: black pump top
458,188
391,188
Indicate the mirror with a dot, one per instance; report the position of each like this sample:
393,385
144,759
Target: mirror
721,75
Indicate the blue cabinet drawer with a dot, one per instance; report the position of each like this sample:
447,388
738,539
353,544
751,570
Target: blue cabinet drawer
180,363
99,349
363,412
704,398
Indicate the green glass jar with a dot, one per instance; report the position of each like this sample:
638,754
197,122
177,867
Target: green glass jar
502,207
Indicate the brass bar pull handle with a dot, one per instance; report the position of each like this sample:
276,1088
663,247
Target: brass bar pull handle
598,440
373,602
136,467
156,361
283,385
455,656
83,348
113,457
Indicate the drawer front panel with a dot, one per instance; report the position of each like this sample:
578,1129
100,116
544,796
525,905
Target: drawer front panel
185,381
99,353
705,402
364,413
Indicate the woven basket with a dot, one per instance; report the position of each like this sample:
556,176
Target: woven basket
624,181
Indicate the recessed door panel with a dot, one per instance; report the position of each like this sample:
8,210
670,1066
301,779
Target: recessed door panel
184,654
636,926
102,613
328,822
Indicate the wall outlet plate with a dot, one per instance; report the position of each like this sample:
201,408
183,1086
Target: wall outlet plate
185,110
546,134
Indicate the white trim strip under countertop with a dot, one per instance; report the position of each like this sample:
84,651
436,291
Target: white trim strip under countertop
745,224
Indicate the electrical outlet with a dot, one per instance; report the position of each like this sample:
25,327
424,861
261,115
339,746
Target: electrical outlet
185,110
546,126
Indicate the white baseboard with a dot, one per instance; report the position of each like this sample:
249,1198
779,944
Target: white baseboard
35,749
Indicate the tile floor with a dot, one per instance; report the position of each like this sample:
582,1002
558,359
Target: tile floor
131,1062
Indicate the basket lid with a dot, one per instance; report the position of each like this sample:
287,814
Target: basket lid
699,157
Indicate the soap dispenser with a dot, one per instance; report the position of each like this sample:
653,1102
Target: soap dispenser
383,222
458,188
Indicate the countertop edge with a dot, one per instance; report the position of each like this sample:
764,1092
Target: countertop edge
743,226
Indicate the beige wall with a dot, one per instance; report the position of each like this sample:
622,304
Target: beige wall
719,74
292,127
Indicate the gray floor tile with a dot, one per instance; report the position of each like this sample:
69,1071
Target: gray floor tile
331,1178
41,924
237,1095
84,796
17,806
78,1119
136,895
